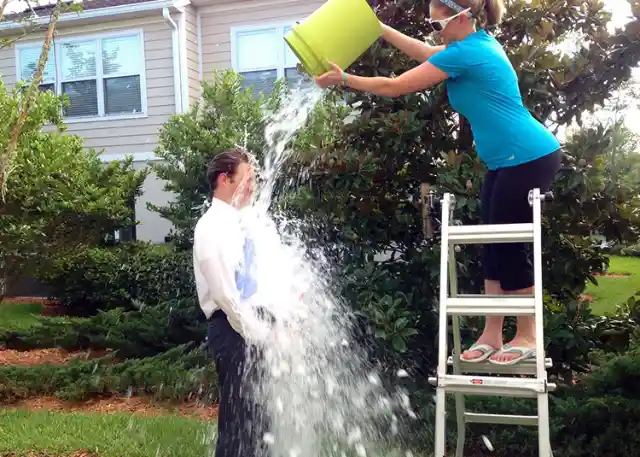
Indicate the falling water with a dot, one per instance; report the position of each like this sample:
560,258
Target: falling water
322,396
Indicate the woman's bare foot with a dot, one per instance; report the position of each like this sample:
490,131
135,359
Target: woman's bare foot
480,347
516,350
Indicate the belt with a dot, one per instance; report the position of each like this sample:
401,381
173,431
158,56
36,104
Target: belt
262,314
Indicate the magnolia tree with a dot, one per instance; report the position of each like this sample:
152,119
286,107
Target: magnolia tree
362,200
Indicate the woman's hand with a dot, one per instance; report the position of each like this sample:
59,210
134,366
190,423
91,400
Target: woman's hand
333,77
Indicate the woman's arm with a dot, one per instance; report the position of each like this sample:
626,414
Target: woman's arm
415,80
412,47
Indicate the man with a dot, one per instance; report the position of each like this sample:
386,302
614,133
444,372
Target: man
222,258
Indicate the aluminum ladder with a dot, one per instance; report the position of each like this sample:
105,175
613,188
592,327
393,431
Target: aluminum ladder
526,379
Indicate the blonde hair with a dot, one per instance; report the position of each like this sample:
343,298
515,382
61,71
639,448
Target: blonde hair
487,13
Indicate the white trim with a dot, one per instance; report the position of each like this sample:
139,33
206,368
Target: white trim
99,76
123,117
176,59
137,156
199,30
184,67
100,12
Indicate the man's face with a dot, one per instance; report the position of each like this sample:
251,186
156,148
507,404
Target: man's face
242,184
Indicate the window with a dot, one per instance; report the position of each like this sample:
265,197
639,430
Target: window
261,56
102,76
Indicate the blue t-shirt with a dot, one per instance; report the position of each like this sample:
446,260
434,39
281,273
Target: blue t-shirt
483,87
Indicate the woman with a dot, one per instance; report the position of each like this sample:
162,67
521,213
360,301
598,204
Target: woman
520,153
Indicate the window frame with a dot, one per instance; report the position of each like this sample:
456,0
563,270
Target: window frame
258,27
99,78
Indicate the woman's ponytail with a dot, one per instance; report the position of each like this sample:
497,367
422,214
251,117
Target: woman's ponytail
493,12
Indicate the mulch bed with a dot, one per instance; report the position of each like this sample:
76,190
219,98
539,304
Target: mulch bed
612,275
54,356
51,308
131,405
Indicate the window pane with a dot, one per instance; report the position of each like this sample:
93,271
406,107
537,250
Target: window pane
46,87
257,50
290,59
260,81
83,98
29,61
122,95
78,60
121,55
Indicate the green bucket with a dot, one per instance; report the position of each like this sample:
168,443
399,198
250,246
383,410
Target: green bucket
339,31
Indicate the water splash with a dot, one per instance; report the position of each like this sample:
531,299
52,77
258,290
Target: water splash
322,396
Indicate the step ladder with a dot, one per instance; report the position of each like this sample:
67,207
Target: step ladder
526,379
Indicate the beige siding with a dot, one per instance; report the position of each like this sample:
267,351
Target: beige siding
151,227
193,66
127,135
216,22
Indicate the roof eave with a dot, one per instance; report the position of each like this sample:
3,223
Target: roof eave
99,12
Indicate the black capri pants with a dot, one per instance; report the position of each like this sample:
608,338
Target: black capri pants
505,200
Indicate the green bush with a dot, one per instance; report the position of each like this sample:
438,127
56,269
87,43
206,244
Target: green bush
177,375
631,251
128,276
598,416
144,333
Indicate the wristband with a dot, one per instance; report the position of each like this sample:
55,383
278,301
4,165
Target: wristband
344,77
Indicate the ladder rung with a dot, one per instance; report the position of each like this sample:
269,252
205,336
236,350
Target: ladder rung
483,385
490,233
526,367
491,306
504,419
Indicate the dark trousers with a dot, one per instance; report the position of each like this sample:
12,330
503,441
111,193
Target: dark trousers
505,200
242,422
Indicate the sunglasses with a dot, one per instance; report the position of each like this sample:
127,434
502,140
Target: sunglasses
439,25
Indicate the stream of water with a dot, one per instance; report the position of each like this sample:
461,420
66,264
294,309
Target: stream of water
323,397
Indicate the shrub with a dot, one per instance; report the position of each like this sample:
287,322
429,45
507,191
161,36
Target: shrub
126,276
60,195
144,333
596,417
631,251
177,375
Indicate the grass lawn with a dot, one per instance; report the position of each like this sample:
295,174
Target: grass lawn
612,291
19,315
105,435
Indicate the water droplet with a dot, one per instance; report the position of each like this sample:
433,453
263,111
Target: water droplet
269,438
487,443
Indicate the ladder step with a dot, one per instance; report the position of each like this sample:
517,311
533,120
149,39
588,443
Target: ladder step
526,367
490,233
483,385
491,306
503,419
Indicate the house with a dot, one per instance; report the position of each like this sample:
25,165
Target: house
154,55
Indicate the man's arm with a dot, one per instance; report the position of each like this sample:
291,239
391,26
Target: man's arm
412,47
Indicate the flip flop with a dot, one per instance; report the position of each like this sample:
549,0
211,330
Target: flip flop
525,354
486,351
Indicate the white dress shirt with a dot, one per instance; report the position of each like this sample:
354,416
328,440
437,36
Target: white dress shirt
221,271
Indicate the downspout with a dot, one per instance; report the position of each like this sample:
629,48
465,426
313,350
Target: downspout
184,69
176,60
